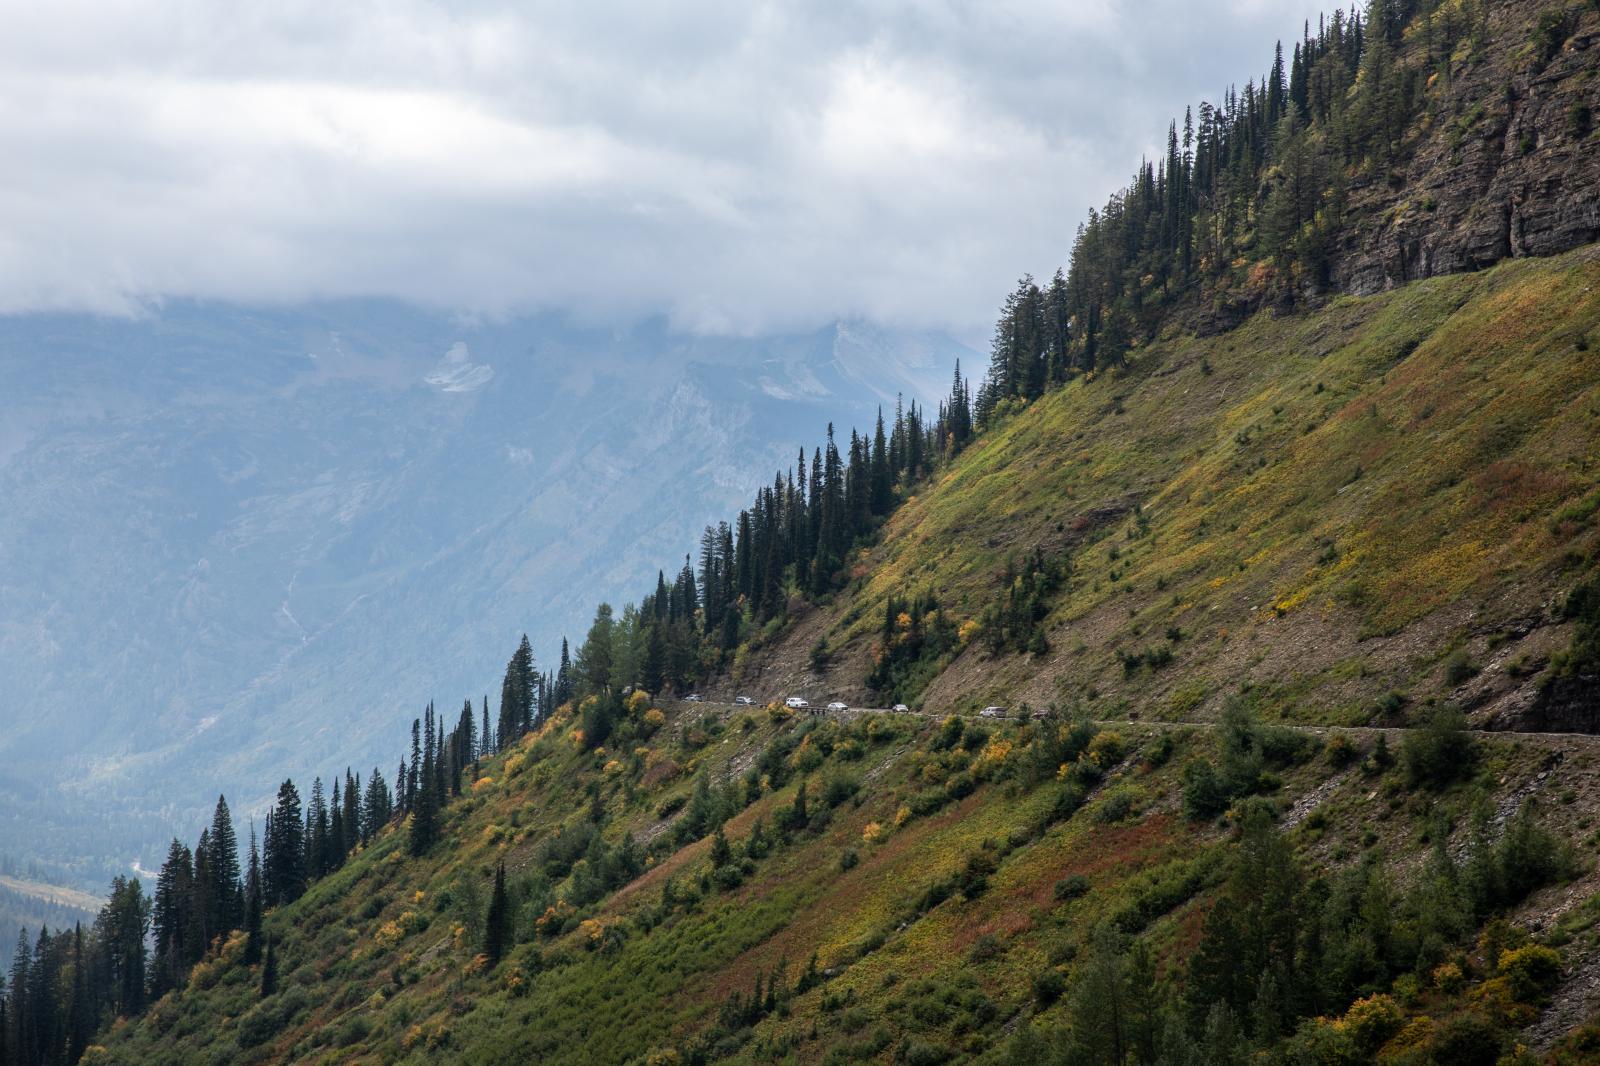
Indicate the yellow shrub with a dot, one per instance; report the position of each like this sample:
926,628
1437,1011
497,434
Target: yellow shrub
1418,1033
554,916
483,784
203,976
993,757
1107,749
1530,971
612,768
1447,977
968,631
902,816
513,764
872,833
1373,1020
638,701
654,718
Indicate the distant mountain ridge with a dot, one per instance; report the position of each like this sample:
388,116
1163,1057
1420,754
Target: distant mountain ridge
238,538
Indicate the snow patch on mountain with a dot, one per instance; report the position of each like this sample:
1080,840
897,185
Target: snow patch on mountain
458,373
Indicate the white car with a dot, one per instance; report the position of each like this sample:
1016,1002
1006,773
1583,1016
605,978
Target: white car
795,703
693,697
992,712
743,701
900,708
838,705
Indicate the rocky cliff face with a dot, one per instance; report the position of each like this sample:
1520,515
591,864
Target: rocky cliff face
1509,166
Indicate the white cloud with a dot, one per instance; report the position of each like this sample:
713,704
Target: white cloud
736,165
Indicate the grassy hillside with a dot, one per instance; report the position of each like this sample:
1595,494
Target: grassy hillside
1324,509
1350,517
937,896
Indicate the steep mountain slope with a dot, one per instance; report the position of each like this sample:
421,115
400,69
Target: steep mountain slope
1242,591
1326,503
1321,508
214,512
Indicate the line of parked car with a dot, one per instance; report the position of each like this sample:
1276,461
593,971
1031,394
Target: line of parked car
794,703
799,703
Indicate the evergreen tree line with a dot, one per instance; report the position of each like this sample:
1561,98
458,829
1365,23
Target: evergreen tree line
1283,946
793,541
1251,193
64,985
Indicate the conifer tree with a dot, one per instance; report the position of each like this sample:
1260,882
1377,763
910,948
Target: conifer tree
352,812
316,834
595,658
200,907
269,970
226,895
336,826
497,925
411,780
80,1014
121,928
252,904
21,1016
285,860
424,814
563,686
377,807
171,919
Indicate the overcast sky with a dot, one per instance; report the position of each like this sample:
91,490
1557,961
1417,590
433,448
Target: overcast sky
739,166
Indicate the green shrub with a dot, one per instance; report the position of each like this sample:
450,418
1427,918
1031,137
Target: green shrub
1529,856
1159,751
1579,118
918,1052
262,1022
1582,607
1340,752
1204,794
1459,667
1116,807
1048,986
986,947
1071,887
353,1030
1466,1040
1438,750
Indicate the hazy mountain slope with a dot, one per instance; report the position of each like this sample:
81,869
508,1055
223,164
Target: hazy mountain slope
241,543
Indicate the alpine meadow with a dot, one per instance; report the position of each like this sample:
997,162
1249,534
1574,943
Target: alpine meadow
1208,677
